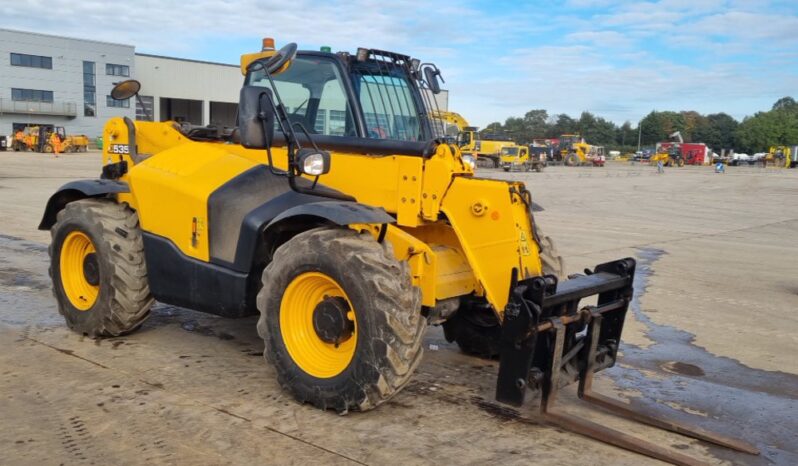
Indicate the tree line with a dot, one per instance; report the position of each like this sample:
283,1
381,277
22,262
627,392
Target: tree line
777,126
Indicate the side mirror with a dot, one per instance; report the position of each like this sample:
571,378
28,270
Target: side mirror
256,117
313,162
125,89
431,76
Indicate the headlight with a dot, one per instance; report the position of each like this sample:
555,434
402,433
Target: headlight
470,161
313,162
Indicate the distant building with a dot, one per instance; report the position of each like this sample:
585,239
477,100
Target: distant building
46,79
66,82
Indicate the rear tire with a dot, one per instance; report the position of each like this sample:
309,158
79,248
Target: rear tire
388,327
475,327
110,296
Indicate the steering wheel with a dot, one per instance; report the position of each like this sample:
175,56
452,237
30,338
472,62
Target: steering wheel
280,58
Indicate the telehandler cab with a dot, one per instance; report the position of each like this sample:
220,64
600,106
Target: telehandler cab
335,212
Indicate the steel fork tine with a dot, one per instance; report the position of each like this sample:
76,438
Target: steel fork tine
670,425
619,439
587,394
606,434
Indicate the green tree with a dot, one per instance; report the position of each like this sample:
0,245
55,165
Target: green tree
563,124
536,123
626,135
785,103
717,132
516,128
765,129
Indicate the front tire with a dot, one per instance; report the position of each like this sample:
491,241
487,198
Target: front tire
97,268
372,342
571,160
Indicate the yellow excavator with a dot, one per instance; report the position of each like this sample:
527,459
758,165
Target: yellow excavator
483,150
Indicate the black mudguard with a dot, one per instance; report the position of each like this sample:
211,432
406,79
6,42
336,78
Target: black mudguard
76,190
338,212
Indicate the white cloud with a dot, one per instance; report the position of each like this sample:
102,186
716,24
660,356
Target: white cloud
736,56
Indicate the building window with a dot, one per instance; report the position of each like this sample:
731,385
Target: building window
117,70
144,113
31,61
111,102
31,95
89,89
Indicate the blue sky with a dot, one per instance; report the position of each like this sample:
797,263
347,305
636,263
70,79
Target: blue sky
617,59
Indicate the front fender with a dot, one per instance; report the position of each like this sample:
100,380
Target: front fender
75,191
338,212
296,212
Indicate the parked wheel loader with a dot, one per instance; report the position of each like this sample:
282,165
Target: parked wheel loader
333,213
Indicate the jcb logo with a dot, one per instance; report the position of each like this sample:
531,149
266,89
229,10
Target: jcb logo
119,149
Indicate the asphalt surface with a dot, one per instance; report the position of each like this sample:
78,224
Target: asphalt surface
711,340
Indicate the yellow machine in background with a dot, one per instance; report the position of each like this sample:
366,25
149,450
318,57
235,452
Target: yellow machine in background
519,158
484,150
669,158
573,150
779,156
671,155
347,245
39,139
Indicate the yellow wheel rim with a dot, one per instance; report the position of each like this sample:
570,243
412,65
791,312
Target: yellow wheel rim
74,252
308,350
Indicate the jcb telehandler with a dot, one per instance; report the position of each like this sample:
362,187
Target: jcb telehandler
334,211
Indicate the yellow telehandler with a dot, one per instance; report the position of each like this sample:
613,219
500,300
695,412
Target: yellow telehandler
347,241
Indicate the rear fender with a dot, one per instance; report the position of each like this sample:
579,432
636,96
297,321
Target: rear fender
75,191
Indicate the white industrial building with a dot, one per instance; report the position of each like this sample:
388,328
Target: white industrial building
61,81
47,79
198,92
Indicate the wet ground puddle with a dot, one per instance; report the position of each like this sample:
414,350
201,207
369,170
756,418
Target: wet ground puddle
729,397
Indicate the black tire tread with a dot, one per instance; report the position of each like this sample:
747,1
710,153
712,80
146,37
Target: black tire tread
400,327
131,300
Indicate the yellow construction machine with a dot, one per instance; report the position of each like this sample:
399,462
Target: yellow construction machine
485,150
39,139
519,158
781,156
669,154
348,242
573,150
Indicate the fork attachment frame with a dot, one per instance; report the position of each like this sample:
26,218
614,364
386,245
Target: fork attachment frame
549,342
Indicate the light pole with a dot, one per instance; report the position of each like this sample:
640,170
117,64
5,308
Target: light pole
639,133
